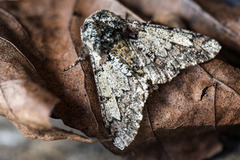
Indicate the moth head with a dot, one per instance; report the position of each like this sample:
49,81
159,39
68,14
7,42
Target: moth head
101,30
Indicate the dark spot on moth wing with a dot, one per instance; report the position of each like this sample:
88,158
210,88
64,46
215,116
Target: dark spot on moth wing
118,47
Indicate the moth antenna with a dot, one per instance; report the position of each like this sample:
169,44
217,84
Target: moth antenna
75,63
80,58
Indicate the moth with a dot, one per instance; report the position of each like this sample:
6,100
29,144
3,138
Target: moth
130,58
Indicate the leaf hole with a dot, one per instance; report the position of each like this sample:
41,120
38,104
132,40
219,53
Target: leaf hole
204,92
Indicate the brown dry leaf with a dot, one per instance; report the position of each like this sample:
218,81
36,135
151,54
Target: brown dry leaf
23,99
48,25
198,101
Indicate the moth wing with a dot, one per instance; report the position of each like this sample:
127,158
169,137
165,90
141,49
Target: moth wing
170,50
124,63
122,96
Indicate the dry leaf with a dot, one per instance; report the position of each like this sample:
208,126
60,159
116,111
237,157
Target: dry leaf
24,100
23,97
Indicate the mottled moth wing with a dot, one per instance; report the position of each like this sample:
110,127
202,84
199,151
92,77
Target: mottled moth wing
129,58
163,51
